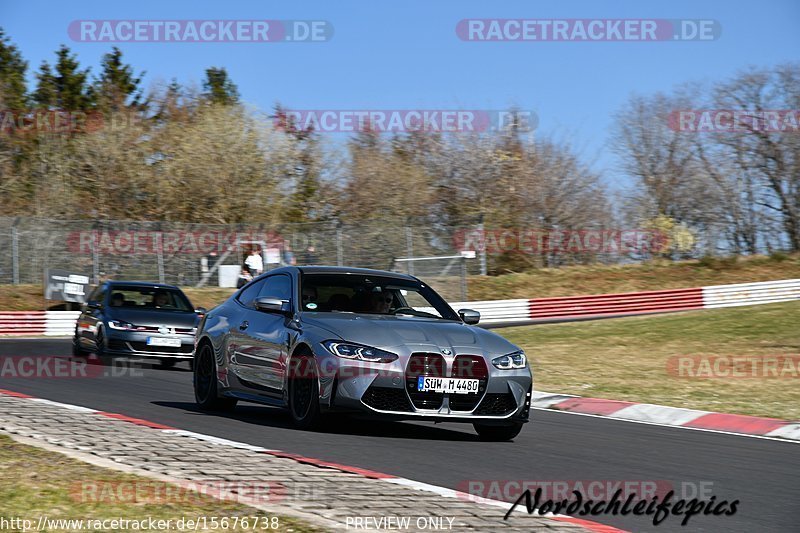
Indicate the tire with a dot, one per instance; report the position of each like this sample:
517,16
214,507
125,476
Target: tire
100,342
77,350
304,393
205,382
497,433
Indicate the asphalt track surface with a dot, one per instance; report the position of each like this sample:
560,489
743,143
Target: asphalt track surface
764,475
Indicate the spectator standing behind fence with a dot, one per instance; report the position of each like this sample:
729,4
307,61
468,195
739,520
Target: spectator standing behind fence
310,256
288,254
254,263
244,278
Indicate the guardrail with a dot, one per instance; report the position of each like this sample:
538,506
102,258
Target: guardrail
496,313
517,312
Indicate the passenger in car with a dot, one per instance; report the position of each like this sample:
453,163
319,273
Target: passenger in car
339,302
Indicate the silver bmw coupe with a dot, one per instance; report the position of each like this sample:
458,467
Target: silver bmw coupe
320,339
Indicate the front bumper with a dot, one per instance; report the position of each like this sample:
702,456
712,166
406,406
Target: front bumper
132,343
390,393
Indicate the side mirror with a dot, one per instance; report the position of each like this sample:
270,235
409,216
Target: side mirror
273,305
201,311
469,316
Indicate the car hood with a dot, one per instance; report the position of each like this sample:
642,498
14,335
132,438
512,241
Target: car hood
155,317
388,332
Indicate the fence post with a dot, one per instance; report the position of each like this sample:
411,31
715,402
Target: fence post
95,259
410,249
463,279
14,255
160,258
339,251
482,251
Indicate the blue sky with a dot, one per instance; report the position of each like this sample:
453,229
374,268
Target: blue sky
402,55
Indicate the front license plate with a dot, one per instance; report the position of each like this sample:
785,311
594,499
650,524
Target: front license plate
172,342
451,385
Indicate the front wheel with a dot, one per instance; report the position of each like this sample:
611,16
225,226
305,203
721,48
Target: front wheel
77,349
497,433
304,393
205,382
99,342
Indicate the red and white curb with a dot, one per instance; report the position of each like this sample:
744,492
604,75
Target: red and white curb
371,474
669,416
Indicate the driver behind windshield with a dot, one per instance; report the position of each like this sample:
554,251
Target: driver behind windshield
380,302
160,299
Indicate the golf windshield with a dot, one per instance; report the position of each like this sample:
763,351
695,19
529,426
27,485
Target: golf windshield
376,295
162,299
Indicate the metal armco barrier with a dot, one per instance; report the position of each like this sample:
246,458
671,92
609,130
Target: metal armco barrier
518,311
764,292
23,322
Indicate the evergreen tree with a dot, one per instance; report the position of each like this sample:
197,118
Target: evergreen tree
118,86
46,93
66,89
219,89
12,75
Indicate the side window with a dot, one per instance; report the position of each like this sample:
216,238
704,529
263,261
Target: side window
250,293
279,287
98,295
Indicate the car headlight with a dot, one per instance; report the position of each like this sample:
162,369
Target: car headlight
348,350
118,324
512,361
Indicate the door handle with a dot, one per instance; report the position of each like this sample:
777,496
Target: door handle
244,325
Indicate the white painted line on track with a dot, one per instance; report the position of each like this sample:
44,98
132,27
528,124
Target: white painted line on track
217,440
69,406
604,417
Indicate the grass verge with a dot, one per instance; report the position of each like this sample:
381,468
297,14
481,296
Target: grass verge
36,482
627,358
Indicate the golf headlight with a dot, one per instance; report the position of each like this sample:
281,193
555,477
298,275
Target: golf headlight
118,324
348,350
512,361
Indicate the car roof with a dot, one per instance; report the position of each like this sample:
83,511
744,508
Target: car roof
321,269
148,284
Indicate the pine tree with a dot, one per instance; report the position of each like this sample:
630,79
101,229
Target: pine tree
46,93
12,76
117,87
66,89
219,89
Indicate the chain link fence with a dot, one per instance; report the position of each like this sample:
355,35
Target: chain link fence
189,254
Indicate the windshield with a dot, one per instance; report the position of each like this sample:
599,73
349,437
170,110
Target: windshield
375,295
149,298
